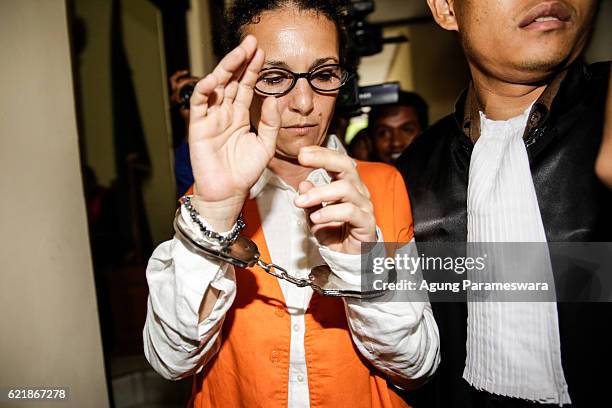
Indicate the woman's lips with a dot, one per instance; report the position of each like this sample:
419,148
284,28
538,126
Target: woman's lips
546,16
299,130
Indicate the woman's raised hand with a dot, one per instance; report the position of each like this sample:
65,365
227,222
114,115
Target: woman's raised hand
227,158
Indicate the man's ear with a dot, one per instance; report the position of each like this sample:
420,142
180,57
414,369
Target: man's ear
444,13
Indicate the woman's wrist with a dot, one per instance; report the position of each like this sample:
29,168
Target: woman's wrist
222,214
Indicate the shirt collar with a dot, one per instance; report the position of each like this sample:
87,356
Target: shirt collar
537,115
269,177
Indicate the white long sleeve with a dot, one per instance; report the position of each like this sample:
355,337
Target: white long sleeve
175,344
399,337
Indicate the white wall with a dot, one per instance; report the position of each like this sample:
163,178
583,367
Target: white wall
600,48
440,71
49,320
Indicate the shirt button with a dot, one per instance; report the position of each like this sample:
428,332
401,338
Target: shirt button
279,312
274,356
296,327
300,378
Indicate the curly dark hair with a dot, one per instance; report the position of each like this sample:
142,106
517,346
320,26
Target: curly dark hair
245,12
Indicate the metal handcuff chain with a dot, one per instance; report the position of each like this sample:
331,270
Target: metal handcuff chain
243,253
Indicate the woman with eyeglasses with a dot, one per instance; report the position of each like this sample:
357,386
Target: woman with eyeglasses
254,333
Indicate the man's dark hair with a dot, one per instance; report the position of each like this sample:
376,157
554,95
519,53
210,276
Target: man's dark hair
410,99
245,12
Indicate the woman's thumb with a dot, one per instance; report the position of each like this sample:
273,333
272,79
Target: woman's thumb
269,124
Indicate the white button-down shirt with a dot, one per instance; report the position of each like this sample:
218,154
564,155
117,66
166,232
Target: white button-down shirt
176,345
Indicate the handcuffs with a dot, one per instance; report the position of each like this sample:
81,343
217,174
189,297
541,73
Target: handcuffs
242,252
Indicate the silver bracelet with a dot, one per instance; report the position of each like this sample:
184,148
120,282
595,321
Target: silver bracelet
209,234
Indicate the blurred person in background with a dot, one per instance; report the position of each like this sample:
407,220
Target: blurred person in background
338,125
394,127
515,162
181,85
360,147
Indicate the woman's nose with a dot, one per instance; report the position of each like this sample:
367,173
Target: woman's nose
302,97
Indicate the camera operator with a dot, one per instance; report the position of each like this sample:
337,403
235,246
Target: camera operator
181,87
394,127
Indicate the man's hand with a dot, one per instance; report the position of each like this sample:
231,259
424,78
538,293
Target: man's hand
603,165
347,219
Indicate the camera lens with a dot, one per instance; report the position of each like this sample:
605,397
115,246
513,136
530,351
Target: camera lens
185,94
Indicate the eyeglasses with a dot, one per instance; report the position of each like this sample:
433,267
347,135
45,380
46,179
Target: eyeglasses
280,81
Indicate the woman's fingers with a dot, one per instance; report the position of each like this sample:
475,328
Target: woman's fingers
304,187
231,68
326,231
332,161
338,191
198,102
210,90
231,65
345,212
247,82
348,199
327,220
269,124
240,88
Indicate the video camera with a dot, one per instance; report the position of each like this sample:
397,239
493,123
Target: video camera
365,39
